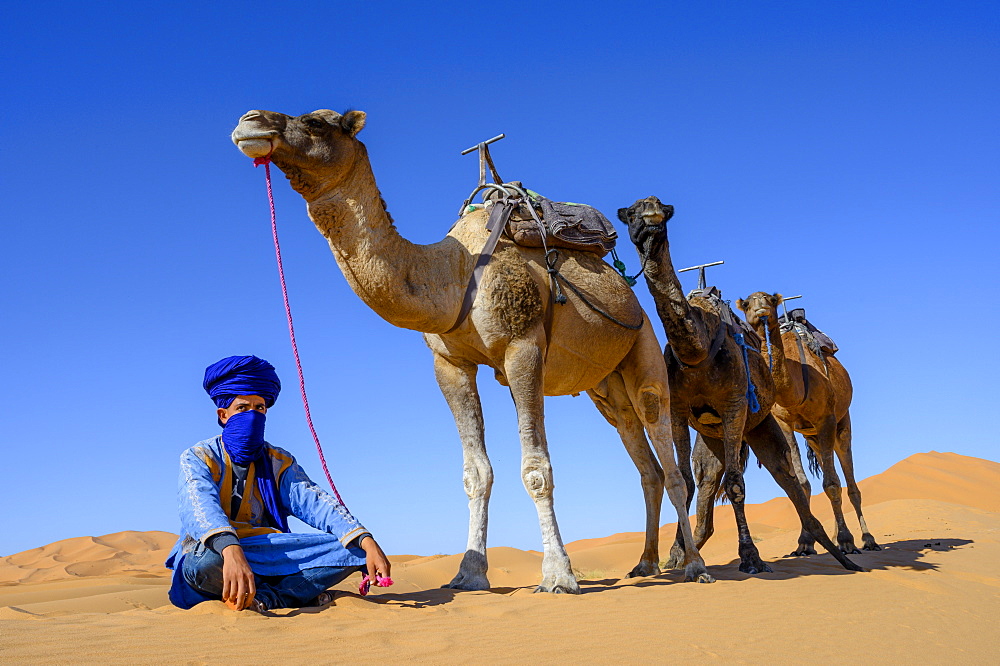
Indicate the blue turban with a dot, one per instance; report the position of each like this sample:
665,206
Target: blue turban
241,375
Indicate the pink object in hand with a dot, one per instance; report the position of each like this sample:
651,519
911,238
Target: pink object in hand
366,583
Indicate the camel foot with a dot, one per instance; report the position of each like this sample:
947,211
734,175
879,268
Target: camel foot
750,561
849,548
676,559
803,550
643,569
564,584
870,544
754,567
845,541
673,563
469,582
696,573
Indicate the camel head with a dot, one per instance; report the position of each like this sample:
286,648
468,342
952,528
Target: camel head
647,224
316,151
760,304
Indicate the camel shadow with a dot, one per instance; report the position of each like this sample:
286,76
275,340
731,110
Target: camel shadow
903,554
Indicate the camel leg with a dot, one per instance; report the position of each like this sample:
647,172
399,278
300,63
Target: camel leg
733,422
709,466
645,376
806,540
612,401
847,464
523,365
458,383
769,445
795,457
708,470
682,443
825,442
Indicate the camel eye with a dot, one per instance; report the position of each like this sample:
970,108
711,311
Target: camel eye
315,123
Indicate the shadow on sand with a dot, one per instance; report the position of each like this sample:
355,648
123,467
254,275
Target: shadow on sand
906,554
418,599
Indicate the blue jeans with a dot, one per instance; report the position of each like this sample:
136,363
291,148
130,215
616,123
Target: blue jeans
202,570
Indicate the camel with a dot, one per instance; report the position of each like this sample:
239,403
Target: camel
708,390
819,409
535,347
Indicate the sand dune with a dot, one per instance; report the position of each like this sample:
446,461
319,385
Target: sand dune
932,593
139,553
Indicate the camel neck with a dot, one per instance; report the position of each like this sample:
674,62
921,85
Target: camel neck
683,323
785,392
408,285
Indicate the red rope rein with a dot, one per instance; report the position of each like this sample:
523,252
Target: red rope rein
266,161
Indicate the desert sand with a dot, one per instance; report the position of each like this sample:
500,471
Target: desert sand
932,594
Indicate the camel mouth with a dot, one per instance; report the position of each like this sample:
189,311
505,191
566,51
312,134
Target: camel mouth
648,238
653,217
254,143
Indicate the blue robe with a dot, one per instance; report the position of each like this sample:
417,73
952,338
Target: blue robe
206,506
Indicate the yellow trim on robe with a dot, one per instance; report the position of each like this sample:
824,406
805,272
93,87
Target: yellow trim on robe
243,521
284,463
210,461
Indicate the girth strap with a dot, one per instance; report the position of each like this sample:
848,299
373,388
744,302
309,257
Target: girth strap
499,215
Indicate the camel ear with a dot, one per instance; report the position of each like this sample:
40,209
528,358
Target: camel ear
741,304
623,215
353,122
777,299
668,212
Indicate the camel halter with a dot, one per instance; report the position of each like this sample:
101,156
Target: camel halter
266,161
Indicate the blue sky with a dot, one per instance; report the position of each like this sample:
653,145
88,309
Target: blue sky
846,151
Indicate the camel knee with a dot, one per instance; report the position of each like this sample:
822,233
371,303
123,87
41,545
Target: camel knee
735,488
477,480
855,495
652,479
651,405
537,477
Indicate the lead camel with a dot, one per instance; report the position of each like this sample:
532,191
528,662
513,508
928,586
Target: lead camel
421,287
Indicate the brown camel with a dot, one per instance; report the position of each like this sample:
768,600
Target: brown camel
421,287
709,390
816,404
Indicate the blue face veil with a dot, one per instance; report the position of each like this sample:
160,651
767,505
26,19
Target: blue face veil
243,433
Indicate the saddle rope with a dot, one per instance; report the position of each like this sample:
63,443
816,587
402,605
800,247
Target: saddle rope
767,340
266,161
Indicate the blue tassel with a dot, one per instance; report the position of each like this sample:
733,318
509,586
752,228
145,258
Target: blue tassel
752,401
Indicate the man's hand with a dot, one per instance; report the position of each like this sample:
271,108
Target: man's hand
375,559
238,588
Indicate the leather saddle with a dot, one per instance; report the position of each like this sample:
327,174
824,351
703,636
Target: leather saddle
817,340
566,225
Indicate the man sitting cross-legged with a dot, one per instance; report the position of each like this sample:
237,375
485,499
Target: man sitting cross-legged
236,492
